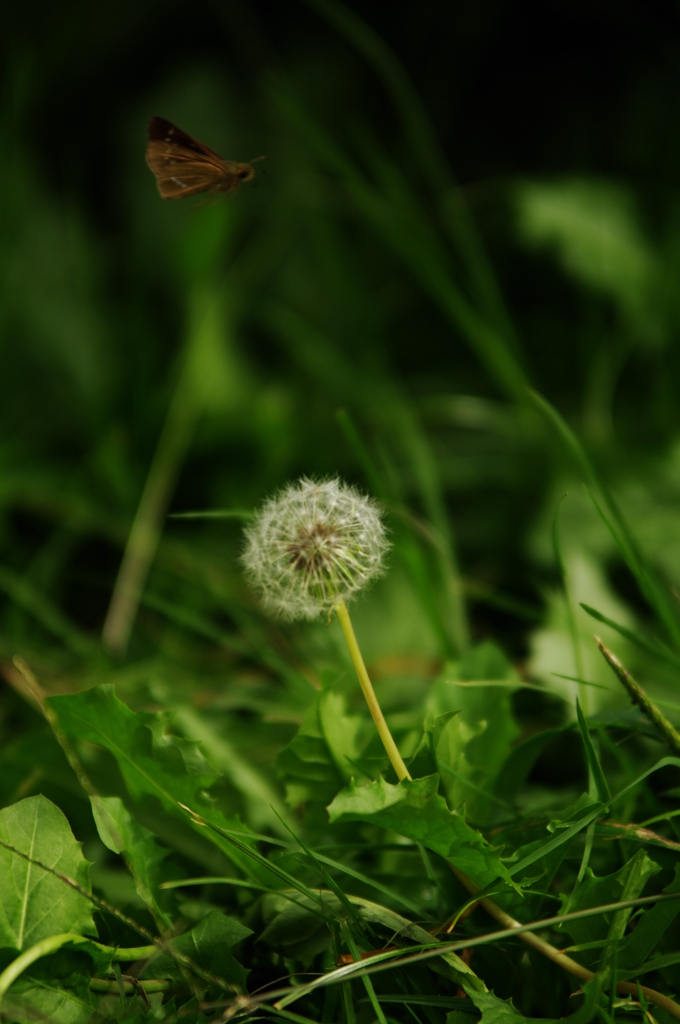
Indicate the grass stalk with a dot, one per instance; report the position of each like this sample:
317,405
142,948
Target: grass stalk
147,525
639,697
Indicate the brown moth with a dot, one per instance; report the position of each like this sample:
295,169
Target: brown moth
184,166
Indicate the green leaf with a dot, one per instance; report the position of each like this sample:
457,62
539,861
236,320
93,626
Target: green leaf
650,928
570,830
55,989
315,763
495,1010
264,805
656,595
501,1011
652,647
545,863
414,809
144,857
294,927
601,784
470,748
35,903
461,1016
626,883
521,759
206,945
340,731
594,228
152,762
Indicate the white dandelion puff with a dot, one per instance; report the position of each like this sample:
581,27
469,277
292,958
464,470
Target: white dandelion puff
312,545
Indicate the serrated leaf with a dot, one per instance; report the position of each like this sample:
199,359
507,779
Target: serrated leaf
152,762
34,903
207,945
502,1011
497,1011
121,833
626,883
414,809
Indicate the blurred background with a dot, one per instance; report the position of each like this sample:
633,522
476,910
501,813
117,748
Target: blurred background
458,202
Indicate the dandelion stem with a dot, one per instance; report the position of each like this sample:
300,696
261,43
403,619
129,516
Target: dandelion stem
368,691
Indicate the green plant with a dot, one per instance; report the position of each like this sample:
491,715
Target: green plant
198,820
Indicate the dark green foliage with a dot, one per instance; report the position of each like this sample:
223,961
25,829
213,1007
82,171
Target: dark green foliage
204,812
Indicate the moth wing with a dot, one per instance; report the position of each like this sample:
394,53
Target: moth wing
185,167
161,131
182,174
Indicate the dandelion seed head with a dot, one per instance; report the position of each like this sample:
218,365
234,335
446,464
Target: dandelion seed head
313,544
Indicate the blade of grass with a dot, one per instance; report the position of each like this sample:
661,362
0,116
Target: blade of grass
657,597
404,544
417,246
519,685
591,815
584,682
27,596
368,984
348,1004
361,453
338,866
495,598
598,784
601,784
287,1015
425,150
255,855
652,647
657,964
330,882
243,514
571,617
426,473
147,526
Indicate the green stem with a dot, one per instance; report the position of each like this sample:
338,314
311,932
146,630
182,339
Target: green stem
24,960
368,691
55,942
102,985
